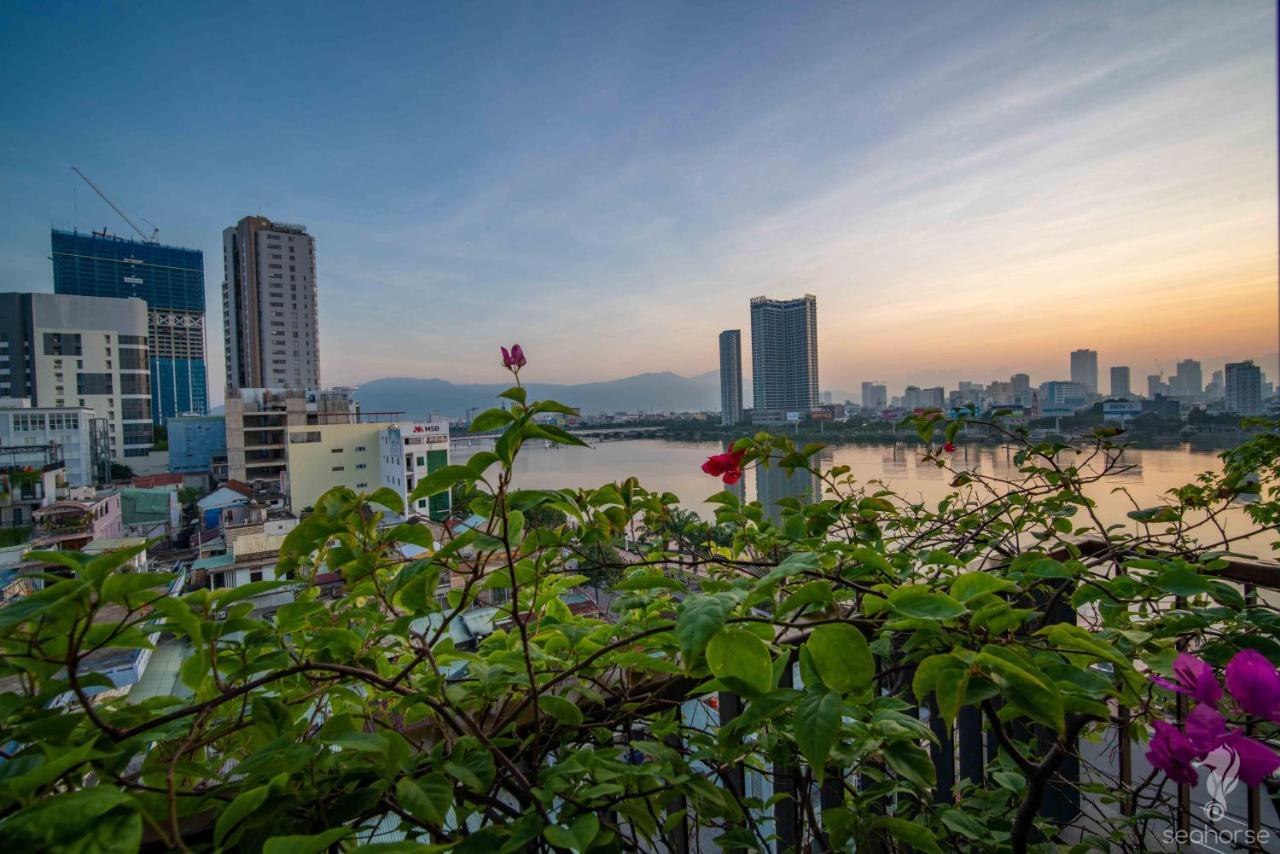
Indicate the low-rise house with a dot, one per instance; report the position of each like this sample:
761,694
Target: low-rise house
150,513
29,479
73,524
233,493
137,563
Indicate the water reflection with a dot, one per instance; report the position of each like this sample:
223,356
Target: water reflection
676,467
774,484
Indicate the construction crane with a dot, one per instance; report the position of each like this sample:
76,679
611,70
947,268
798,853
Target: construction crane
154,237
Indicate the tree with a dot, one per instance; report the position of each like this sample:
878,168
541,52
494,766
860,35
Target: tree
330,722
120,471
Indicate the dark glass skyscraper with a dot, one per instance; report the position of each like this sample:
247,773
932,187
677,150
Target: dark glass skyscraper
170,280
784,353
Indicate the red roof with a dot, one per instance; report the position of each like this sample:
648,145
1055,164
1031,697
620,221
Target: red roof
151,481
240,487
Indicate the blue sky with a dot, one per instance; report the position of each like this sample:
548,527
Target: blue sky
969,188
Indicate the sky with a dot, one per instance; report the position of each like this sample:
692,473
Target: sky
969,189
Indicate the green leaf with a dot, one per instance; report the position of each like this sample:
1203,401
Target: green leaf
817,721
741,661
973,584
911,762
244,805
360,742
648,581
1155,515
178,612
813,593
516,393
950,690
796,563
313,844
564,711
930,670
413,533
440,481
700,618
428,799
577,837
840,654
1025,691
490,419
388,498
918,836
917,600
960,822
555,434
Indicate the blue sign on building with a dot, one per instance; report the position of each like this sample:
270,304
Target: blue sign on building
171,281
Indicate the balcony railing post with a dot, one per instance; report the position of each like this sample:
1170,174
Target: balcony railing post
786,813
944,755
734,777
969,743
678,835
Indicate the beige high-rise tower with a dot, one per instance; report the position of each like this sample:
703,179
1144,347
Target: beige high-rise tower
271,330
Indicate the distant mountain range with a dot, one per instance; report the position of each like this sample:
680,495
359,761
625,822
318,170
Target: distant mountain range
655,392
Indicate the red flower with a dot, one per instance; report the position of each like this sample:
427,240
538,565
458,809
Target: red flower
513,358
949,448
727,466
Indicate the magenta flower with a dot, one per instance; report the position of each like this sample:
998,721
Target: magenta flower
727,466
1254,684
1172,752
1194,678
513,358
1257,761
1206,728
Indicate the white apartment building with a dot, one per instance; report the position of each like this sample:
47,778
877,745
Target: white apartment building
79,352
364,457
71,429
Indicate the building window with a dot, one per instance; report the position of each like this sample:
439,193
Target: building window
335,450
255,575
339,468
361,466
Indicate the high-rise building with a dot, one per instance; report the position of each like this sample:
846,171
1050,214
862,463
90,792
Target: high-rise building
730,377
77,352
875,396
1084,369
914,397
271,330
1120,381
1216,387
1188,382
1058,393
170,280
1156,386
1243,388
784,353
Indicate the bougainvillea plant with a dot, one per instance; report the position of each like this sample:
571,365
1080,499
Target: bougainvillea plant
781,684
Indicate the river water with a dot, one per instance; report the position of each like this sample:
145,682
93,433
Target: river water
675,467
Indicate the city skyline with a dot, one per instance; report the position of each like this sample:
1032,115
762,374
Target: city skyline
951,184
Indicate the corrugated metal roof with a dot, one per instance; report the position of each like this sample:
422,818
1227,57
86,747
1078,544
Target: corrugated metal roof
215,562
258,543
144,505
